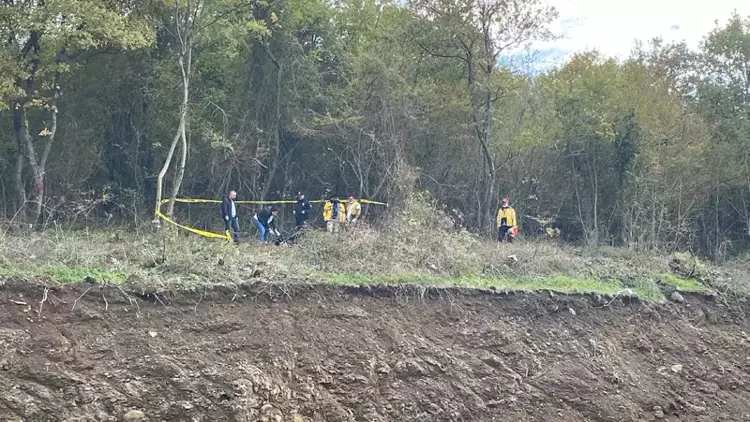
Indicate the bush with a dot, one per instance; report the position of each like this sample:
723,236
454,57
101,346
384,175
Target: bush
414,238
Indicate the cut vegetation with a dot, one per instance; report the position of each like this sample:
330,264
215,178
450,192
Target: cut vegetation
421,248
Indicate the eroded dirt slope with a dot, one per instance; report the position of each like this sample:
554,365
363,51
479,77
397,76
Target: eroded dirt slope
334,354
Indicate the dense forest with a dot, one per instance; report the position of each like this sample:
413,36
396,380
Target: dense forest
108,106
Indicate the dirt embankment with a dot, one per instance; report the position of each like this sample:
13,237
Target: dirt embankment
337,354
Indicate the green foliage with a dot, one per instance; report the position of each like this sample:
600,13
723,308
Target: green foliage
64,275
45,35
649,153
358,258
685,285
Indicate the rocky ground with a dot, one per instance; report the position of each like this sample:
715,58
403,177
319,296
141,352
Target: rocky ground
322,353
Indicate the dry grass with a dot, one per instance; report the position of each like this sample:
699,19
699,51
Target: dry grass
419,244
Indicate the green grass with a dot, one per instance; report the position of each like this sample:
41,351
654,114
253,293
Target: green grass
65,275
434,257
558,283
685,285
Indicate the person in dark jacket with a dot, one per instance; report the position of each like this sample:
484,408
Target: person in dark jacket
302,211
301,214
265,222
229,214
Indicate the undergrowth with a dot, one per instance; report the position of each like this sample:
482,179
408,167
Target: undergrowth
416,244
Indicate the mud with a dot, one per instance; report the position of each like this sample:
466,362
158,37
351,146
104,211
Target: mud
316,353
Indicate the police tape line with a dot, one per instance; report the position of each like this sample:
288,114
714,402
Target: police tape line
200,232
216,201
226,236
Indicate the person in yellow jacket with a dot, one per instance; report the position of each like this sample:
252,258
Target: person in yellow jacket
353,210
506,222
334,213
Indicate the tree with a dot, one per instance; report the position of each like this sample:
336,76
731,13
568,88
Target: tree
188,21
43,41
476,34
723,98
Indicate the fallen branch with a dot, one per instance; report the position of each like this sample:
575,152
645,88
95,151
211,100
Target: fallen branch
159,299
195,309
132,302
41,304
106,304
75,302
628,291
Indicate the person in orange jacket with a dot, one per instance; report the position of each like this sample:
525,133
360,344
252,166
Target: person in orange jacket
506,222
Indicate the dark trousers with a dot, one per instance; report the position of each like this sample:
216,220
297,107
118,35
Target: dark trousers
502,234
232,225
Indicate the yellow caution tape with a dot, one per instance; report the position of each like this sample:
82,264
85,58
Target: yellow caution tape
367,201
216,201
224,236
227,236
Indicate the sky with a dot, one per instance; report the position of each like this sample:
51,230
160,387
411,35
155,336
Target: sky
612,27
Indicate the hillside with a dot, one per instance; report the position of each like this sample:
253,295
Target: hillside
323,353
423,321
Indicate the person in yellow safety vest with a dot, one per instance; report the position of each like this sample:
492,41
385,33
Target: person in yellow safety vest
353,210
334,213
506,222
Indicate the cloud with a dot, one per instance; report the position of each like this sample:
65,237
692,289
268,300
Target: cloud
614,27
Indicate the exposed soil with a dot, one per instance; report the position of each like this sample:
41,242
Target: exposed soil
317,353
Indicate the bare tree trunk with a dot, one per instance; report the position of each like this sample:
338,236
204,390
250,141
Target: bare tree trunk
653,217
185,67
20,186
594,240
716,219
21,126
165,167
277,128
185,34
180,172
582,220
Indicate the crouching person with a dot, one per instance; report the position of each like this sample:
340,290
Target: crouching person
265,222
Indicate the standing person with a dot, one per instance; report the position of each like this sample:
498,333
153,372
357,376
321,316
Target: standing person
334,213
229,214
301,214
506,221
265,222
353,210
302,211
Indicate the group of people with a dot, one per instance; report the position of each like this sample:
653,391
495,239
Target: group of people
335,213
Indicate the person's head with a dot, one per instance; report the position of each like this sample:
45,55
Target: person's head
506,202
334,198
351,199
300,196
274,211
232,195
